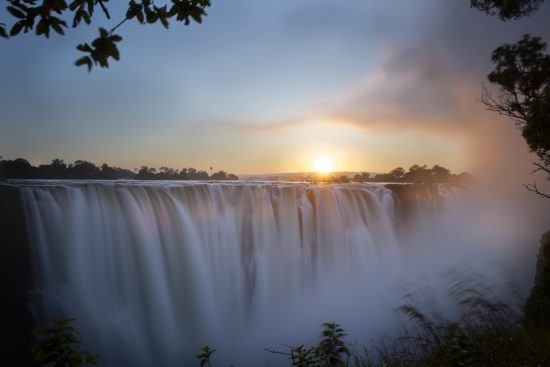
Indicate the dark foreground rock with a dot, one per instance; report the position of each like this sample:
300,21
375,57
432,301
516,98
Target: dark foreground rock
537,308
15,280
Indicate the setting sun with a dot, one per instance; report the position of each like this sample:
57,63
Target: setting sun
323,164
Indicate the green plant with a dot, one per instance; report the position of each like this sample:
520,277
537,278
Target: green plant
205,355
331,351
58,346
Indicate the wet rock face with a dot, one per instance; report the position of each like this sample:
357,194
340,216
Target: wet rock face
15,277
537,308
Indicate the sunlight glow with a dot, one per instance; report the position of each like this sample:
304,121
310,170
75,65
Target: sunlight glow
323,164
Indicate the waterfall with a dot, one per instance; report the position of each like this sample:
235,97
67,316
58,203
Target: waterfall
152,271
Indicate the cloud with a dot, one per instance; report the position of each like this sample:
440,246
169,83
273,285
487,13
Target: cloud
435,83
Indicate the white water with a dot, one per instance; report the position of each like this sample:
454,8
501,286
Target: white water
153,271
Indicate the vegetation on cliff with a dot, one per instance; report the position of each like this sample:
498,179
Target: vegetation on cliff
417,174
21,169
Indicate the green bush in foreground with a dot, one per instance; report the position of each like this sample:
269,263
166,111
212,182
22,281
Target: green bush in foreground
58,346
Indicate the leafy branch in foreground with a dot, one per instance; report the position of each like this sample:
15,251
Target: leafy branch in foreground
54,15
507,9
59,346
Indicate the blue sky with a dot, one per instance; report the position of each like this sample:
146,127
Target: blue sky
263,87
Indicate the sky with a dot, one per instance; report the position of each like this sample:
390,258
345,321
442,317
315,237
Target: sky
268,87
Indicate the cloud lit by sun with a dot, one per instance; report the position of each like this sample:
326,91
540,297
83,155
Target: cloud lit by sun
323,164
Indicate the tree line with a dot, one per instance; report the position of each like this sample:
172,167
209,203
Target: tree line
417,174
21,169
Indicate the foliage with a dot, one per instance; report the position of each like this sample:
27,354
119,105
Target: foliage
21,169
332,351
417,174
522,75
486,334
54,15
204,356
507,9
323,177
59,346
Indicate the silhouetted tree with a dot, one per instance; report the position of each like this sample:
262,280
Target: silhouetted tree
507,9
220,175
201,175
54,15
82,170
398,173
522,74
17,168
440,174
363,177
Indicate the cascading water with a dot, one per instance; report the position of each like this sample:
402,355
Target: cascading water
152,271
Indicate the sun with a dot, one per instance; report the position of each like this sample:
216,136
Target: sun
323,164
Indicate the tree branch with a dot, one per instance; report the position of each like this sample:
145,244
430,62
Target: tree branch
534,188
104,9
540,167
117,26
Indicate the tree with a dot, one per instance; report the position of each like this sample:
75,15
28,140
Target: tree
363,177
507,9
397,173
47,15
220,175
440,174
522,75
83,170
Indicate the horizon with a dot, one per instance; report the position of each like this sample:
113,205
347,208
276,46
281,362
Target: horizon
216,169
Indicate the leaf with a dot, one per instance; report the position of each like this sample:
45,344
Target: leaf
43,28
84,47
16,28
3,32
85,60
103,33
16,12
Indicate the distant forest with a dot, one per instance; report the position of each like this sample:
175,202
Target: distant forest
415,174
58,169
